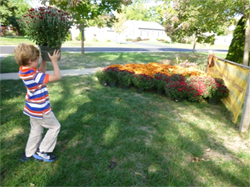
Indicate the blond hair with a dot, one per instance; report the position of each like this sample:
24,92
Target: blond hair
25,52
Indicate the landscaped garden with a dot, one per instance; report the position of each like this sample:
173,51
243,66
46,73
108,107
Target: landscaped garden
117,137
183,81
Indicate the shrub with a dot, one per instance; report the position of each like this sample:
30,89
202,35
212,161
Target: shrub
138,39
160,80
218,91
187,64
196,89
177,77
110,74
236,48
176,89
94,40
200,84
143,81
125,77
100,75
68,37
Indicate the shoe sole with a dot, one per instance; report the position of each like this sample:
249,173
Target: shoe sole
42,159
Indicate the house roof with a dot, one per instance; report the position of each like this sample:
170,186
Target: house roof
145,25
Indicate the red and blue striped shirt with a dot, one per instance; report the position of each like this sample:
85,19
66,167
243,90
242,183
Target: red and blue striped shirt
37,97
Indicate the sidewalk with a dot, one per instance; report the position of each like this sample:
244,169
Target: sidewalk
14,76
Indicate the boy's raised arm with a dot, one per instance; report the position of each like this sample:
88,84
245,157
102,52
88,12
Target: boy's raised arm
42,67
57,75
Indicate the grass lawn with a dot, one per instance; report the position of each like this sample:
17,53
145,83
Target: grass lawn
92,60
115,137
189,46
20,39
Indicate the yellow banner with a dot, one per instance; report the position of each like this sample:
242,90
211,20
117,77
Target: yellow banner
235,78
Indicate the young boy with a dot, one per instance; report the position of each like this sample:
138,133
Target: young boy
37,102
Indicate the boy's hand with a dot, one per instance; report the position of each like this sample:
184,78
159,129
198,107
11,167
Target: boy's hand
55,56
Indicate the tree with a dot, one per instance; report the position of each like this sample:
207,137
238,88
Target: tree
86,13
119,23
194,18
10,11
7,9
236,49
200,16
144,10
137,11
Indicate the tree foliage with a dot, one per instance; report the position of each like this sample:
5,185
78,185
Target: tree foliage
236,49
88,13
118,25
11,10
137,11
195,19
145,10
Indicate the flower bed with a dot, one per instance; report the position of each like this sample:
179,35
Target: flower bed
178,82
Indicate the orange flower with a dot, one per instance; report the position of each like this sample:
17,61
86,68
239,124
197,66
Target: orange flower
152,68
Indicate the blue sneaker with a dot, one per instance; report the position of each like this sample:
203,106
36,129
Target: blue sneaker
25,158
42,156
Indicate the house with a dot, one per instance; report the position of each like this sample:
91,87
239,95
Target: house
223,40
133,30
144,30
94,33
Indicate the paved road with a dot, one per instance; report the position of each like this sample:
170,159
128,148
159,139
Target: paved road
143,48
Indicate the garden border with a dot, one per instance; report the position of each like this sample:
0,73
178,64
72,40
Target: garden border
245,118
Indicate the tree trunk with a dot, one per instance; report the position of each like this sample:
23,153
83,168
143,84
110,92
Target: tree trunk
195,39
82,41
247,41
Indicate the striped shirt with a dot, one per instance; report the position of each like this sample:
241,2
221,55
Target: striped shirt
37,97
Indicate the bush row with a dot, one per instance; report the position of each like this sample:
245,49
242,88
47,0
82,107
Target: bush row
175,84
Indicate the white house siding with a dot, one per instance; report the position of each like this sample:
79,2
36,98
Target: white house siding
223,40
134,29
74,32
100,34
144,30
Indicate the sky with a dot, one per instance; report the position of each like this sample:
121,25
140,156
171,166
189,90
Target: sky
34,3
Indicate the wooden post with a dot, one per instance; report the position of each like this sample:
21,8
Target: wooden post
245,118
209,53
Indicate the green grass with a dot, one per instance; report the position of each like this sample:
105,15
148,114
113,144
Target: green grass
93,60
20,39
152,139
189,46
14,40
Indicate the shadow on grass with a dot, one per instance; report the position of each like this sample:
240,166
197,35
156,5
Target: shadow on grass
91,60
115,137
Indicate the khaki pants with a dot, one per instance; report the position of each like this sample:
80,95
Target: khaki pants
48,143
